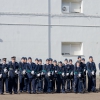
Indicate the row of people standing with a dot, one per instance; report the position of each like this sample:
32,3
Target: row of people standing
48,78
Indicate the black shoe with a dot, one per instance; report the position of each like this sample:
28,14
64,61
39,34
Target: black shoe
34,92
1,93
29,92
10,92
15,92
7,91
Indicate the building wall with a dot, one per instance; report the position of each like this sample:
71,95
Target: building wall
24,29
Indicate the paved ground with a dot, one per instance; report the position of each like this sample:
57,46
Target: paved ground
71,96
68,96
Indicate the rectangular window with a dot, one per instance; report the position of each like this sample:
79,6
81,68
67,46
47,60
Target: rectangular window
72,48
72,6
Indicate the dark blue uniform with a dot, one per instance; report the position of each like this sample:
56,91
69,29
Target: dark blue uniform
84,75
68,70
78,82
1,80
55,77
31,78
60,79
5,77
13,77
39,79
91,78
22,78
72,75
48,79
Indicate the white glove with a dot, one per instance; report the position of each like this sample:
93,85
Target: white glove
48,73
42,73
24,72
84,70
92,72
71,73
16,71
63,74
38,75
0,75
32,72
52,73
67,74
55,71
79,75
5,70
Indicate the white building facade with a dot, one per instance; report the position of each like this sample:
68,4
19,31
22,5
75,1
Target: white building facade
50,28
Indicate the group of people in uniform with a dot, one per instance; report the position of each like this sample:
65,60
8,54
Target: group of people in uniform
51,77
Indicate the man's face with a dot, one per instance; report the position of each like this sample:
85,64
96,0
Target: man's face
30,60
40,62
13,60
65,61
25,61
47,62
79,59
83,61
70,62
22,60
50,62
91,59
60,65
54,63
4,62
36,61
78,64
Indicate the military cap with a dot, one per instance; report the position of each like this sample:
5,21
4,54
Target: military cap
78,62
4,59
23,58
55,61
60,62
83,59
70,60
47,59
36,59
29,58
13,57
79,57
50,59
90,57
66,59
40,60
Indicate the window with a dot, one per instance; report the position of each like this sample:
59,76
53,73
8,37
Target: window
72,48
72,6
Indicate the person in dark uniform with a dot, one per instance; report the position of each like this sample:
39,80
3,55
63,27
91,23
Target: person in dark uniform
72,73
91,72
84,73
1,80
61,78
22,75
55,74
79,59
31,72
53,82
68,70
5,74
48,77
45,72
38,76
25,60
13,75
78,82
